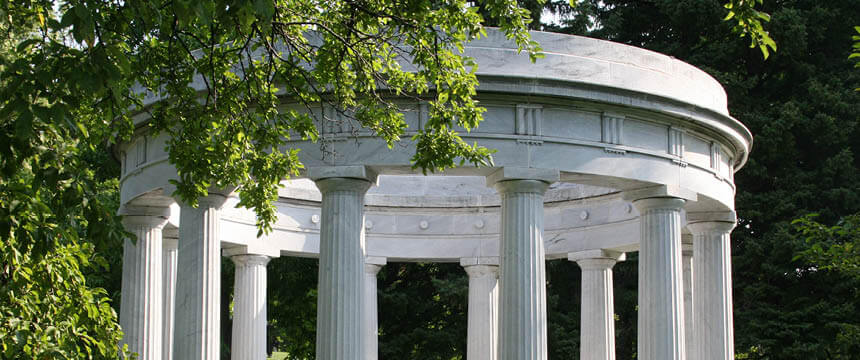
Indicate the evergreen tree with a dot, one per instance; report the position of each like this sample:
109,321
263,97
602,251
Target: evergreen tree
802,110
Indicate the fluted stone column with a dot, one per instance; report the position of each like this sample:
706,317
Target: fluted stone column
687,263
661,292
249,308
597,315
340,301
141,304
522,279
372,265
482,338
197,329
171,253
712,304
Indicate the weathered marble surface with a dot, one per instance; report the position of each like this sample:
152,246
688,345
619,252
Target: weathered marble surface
630,146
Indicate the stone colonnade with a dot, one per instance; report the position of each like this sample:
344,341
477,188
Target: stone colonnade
682,313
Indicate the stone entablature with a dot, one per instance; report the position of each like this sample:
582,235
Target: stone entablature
586,145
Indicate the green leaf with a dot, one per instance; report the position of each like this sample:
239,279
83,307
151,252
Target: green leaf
22,47
24,125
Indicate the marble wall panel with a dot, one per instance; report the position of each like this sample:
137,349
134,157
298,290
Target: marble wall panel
571,124
499,119
697,151
646,135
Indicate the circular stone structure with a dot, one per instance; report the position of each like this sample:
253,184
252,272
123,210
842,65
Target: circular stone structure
602,149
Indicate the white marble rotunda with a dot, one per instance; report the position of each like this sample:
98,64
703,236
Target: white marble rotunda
603,149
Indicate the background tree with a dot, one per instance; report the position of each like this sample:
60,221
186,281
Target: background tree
800,106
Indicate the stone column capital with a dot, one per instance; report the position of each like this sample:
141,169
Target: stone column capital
596,264
656,203
710,227
522,186
376,260
254,248
343,184
708,216
481,270
596,259
600,254
481,260
359,172
147,221
660,191
144,211
154,217
250,259
508,174
373,264
213,200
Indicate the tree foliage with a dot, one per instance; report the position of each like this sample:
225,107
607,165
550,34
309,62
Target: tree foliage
834,248
749,22
251,57
72,74
423,311
293,306
56,211
248,57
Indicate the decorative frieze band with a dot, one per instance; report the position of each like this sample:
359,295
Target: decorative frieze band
676,145
676,142
612,132
716,156
612,126
529,118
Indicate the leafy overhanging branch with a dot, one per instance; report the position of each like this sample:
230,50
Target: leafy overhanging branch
749,22
353,51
